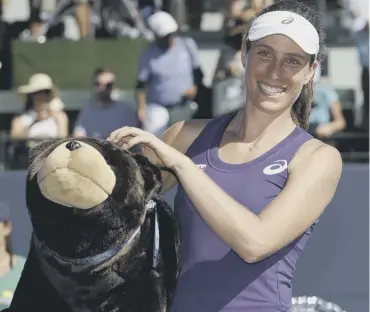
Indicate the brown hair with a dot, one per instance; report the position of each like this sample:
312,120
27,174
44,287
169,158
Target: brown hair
302,106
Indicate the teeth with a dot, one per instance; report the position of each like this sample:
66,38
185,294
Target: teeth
269,90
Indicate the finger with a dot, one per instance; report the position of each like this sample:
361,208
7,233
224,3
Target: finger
123,141
134,141
113,134
123,133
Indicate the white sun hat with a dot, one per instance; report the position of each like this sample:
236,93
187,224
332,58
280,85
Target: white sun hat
289,24
37,82
162,24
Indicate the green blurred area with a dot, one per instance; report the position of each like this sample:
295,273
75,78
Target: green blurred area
71,63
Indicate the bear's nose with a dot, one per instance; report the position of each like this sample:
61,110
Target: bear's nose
73,145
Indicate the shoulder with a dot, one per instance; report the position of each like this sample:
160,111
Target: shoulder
182,134
148,51
86,107
317,158
190,42
125,108
61,113
60,116
23,119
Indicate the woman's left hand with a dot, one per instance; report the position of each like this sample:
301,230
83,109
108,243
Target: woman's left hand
128,137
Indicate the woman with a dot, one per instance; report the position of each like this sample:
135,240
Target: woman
11,265
246,178
43,116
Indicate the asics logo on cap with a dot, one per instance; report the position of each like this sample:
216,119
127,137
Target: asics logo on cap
288,20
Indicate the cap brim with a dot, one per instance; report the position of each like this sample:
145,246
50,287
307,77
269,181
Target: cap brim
297,38
31,89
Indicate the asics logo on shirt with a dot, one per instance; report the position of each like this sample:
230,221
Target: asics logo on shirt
276,167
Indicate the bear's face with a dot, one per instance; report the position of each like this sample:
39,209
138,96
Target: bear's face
84,187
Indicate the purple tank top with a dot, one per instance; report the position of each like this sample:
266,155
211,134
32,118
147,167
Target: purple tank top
213,277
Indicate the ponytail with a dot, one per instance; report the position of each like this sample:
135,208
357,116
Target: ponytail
302,107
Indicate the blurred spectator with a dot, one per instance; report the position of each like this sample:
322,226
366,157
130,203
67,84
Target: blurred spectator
82,14
103,113
360,27
326,116
11,265
168,76
230,62
240,11
44,116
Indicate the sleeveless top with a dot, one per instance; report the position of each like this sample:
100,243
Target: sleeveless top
46,128
213,277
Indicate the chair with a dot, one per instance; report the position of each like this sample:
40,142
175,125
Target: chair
227,96
347,99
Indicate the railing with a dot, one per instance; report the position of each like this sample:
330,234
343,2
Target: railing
14,152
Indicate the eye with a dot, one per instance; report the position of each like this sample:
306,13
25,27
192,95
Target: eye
292,61
264,54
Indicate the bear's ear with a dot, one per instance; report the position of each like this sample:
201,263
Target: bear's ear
151,174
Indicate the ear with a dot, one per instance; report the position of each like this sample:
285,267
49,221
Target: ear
311,72
39,153
151,174
244,54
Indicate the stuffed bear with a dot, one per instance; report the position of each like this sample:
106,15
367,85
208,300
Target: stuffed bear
102,238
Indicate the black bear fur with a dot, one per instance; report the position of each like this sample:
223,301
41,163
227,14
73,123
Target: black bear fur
128,282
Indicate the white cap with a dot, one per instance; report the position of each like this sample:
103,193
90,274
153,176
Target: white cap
162,24
37,82
289,24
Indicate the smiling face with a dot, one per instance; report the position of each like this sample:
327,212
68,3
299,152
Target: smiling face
277,69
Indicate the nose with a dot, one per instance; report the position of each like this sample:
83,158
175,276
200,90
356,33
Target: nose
275,70
73,145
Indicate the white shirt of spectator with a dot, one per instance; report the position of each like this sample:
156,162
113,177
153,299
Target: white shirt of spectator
46,128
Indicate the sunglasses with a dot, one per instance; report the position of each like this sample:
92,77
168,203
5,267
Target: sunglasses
107,85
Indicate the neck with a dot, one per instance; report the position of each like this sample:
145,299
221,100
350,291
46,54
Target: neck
171,41
252,125
101,103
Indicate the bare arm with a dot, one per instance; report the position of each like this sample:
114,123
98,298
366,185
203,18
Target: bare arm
338,123
180,136
313,179
140,99
17,129
62,121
